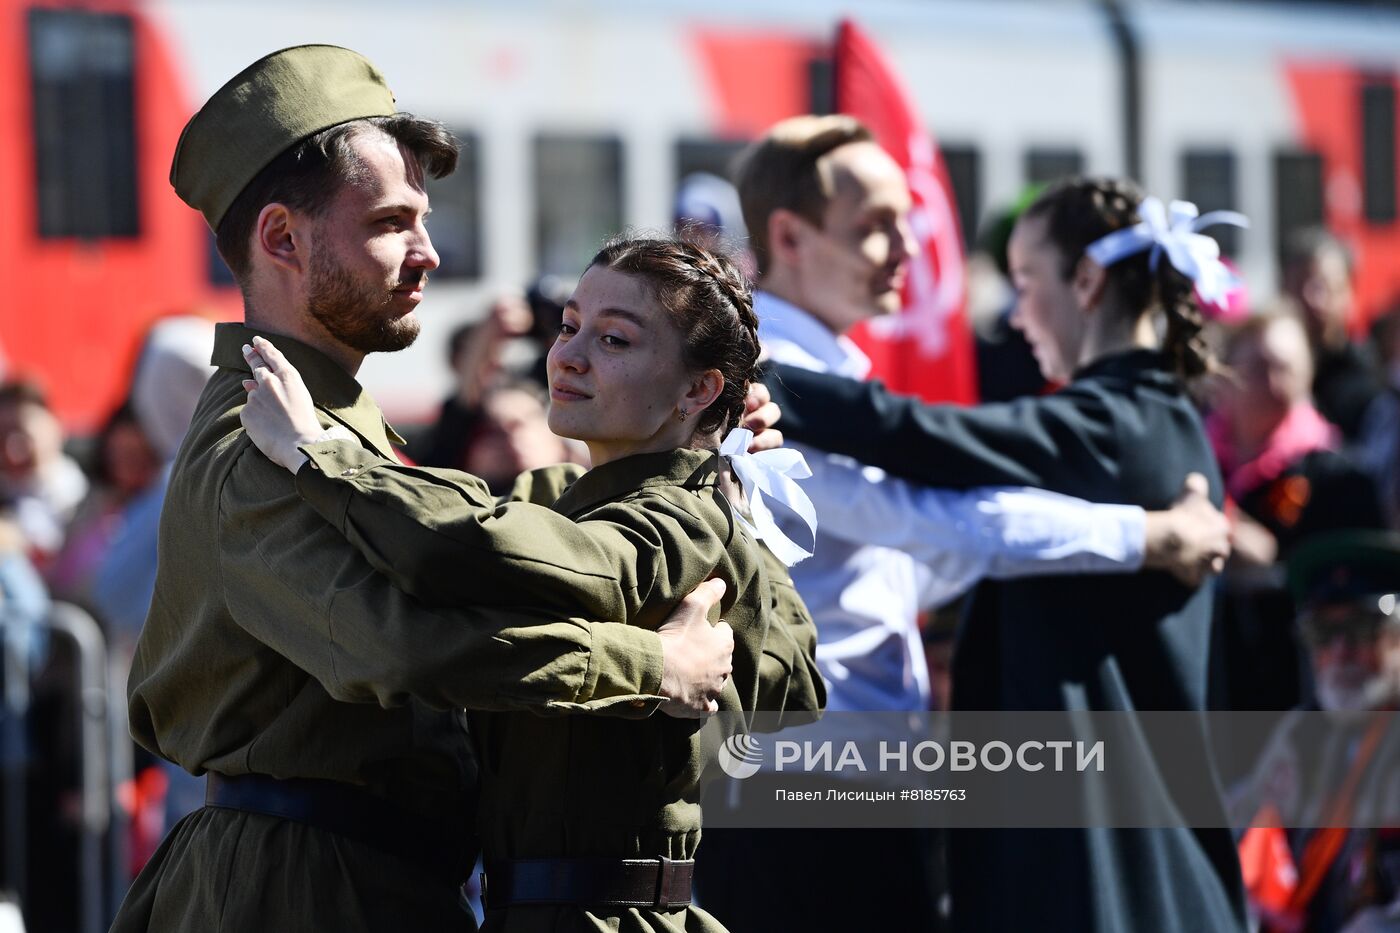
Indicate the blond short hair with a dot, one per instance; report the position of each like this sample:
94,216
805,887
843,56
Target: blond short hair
779,171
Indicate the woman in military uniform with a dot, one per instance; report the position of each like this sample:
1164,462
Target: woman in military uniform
590,823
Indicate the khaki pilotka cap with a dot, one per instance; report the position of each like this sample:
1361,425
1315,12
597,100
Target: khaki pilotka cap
267,108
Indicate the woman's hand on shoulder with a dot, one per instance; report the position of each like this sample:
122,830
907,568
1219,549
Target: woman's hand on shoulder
760,414
279,415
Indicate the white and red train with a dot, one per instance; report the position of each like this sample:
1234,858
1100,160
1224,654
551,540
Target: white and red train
580,117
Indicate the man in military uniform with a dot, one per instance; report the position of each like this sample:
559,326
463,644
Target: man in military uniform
321,701
1333,768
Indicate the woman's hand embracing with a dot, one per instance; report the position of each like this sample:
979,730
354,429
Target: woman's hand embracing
279,415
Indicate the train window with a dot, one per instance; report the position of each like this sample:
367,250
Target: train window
965,172
1297,194
715,156
1044,164
456,222
1378,150
81,67
1208,181
709,157
821,85
578,199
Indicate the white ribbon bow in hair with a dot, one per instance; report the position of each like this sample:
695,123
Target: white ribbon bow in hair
771,474
1191,253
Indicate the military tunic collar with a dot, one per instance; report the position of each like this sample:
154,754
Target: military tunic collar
692,469
334,391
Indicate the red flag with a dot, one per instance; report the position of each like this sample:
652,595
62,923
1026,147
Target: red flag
927,350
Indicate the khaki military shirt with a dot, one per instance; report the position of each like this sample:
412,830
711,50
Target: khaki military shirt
632,538
273,647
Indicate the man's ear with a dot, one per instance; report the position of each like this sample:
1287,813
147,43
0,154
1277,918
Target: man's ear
281,235
704,389
785,232
1088,284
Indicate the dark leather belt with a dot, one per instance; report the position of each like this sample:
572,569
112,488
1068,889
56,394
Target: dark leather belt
443,847
661,883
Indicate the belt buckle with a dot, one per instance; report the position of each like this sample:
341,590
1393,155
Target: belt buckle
665,882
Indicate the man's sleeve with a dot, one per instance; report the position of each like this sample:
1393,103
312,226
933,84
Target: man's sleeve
964,535
437,537
295,584
1028,442
437,534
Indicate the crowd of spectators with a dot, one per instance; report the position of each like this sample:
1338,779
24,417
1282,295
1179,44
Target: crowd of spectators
80,528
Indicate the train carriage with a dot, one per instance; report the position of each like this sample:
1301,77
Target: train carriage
580,118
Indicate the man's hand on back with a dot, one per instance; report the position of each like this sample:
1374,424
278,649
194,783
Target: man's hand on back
1191,540
698,655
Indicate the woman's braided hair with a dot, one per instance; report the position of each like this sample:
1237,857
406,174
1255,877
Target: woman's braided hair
709,299
1079,211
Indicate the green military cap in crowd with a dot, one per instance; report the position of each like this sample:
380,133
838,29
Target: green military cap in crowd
1345,567
263,111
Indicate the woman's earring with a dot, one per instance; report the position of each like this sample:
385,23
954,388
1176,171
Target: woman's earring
683,412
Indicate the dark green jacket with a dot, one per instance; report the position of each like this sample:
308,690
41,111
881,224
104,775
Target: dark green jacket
636,535
272,647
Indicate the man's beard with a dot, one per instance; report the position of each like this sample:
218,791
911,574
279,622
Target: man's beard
356,314
1346,688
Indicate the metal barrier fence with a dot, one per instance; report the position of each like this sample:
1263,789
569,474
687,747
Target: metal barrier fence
104,764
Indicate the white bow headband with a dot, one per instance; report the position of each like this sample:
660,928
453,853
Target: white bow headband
771,474
1191,253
